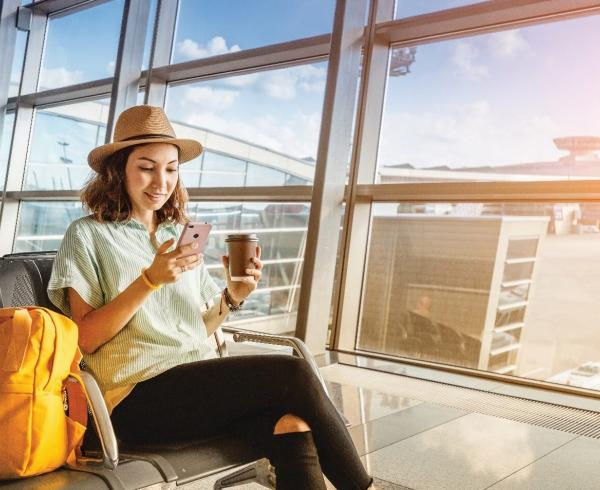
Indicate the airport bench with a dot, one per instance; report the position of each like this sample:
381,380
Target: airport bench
23,281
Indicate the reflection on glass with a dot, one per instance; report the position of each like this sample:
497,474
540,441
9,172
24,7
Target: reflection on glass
269,119
62,138
5,139
206,28
281,228
507,293
514,105
67,59
408,9
17,66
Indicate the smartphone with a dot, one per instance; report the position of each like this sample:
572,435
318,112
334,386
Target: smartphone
195,233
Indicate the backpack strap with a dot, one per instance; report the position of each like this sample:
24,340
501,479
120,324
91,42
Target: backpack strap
17,329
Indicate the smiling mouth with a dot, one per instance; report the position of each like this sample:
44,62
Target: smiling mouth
154,197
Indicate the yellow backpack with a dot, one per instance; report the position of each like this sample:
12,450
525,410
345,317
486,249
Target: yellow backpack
38,352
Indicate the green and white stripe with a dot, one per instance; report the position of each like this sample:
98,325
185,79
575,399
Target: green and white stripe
99,261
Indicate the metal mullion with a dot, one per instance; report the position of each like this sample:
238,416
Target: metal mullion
59,96
480,18
162,46
57,7
22,130
483,192
355,232
130,57
8,39
330,173
247,61
205,194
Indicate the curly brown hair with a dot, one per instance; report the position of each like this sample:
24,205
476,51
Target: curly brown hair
105,194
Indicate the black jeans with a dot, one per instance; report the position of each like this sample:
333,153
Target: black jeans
246,393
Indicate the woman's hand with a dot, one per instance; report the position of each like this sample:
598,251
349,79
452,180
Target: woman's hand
167,267
240,290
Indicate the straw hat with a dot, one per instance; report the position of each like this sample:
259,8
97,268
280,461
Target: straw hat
143,124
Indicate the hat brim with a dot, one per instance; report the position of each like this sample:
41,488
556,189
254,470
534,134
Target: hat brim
188,149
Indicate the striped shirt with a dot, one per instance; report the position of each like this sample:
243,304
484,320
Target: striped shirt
99,261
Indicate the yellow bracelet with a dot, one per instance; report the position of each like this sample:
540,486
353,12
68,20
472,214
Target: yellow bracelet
148,282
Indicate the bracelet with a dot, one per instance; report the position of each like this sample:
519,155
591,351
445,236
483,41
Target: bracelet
229,302
148,282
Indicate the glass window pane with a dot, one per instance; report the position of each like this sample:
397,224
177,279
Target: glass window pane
508,106
62,138
269,118
43,224
17,66
281,228
406,8
214,170
206,28
494,290
67,57
261,175
5,139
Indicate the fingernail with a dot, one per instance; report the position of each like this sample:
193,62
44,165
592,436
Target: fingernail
194,245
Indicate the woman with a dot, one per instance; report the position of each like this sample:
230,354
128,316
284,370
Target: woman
145,309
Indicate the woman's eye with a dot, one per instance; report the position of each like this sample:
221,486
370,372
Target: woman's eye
146,168
171,170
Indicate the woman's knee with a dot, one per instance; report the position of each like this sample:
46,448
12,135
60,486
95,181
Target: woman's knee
290,423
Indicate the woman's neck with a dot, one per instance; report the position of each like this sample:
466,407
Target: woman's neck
148,219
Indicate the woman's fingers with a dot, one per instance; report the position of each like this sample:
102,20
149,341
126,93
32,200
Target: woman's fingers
189,262
255,273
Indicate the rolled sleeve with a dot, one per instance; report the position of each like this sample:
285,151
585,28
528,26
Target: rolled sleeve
75,266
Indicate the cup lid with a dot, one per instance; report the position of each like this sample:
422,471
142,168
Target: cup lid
242,237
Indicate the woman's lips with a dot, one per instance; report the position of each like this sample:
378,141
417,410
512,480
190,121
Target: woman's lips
154,197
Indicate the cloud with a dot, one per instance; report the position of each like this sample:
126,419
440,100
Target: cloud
465,59
507,44
476,134
59,77
190,49
207,99
110,67
284,84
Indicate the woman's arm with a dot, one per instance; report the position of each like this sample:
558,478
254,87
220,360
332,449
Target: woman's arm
98,326
215,316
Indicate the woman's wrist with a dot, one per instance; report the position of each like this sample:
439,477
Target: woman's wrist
231,301
148,280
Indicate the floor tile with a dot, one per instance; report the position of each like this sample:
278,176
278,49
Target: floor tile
471,452
574,466
361,405
388,430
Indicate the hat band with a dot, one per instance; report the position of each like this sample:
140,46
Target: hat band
148,136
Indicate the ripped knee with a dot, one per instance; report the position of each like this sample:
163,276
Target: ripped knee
290,423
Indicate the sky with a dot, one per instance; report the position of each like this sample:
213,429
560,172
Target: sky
491,99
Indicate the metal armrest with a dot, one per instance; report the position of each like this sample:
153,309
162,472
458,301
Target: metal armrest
106,434
297,345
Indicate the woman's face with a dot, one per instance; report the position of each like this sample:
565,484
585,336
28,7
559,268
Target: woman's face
151,173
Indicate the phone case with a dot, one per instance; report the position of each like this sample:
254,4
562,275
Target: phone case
195,232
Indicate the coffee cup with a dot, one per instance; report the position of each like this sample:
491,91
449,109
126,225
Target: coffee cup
241,249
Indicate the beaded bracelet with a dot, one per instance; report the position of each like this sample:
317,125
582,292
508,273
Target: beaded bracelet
229,301
148,282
